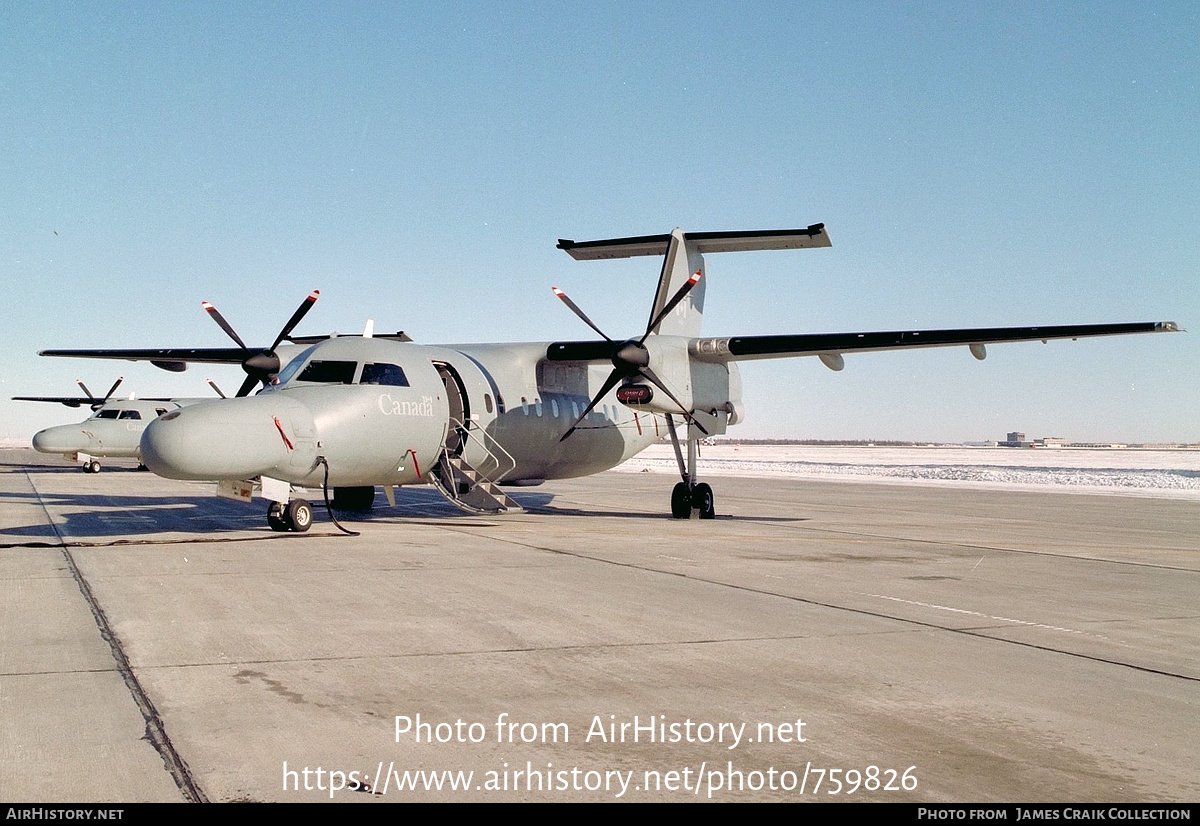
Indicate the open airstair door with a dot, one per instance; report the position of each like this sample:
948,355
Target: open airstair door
471,463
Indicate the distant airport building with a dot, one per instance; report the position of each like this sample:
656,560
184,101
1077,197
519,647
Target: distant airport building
1017,439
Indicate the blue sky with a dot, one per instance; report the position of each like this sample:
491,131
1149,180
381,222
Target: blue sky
984,164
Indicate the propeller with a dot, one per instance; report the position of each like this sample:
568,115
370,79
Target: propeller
95,401
630,357
261,365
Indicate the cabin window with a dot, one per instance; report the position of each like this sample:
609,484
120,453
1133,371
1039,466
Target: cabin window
554,408
107,414
328,372
524,405
158,411
487,402
130,414
390,374
537,403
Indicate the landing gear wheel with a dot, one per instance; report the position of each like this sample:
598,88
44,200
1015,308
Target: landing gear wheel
702,500
93,466
681,501
275,517
299,515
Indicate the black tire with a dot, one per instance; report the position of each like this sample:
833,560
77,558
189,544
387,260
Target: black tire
93,466
276,518
360,499
681,501
299,515
702,500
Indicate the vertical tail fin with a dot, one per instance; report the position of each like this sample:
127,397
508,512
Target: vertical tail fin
683,254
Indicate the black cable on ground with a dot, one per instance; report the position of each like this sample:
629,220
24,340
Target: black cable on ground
328,507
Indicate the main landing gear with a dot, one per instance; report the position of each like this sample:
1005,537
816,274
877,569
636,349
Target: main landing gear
685,499
689,495
296,516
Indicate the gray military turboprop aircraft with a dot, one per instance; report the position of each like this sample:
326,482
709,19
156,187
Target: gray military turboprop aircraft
114,429
357,412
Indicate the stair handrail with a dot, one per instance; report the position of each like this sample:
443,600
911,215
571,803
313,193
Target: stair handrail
470,433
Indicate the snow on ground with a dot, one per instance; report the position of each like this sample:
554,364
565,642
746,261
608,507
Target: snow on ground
1170,474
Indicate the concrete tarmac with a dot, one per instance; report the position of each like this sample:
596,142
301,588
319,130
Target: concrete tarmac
817,641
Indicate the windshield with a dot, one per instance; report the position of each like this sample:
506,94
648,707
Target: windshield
391,374
328,372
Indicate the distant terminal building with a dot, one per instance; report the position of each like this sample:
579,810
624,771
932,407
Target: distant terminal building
1017,439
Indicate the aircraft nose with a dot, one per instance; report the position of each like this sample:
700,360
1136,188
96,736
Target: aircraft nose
227,439
65,438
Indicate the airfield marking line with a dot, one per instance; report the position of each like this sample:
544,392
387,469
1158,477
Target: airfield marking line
156,733
978,634
1021,551
984,616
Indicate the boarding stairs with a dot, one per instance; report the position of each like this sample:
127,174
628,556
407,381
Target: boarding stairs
474,488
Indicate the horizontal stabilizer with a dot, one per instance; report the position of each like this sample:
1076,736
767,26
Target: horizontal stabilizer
702,242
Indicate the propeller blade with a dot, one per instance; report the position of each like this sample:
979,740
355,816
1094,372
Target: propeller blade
301,311
582,315
248,384
83,387
670,305
224,325
609,384
213,385
657,382
113,389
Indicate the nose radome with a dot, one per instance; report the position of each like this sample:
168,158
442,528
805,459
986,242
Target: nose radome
62,439
220,439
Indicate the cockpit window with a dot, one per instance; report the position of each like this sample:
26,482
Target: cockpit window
107,414
328,372
292,366
390,374
130,414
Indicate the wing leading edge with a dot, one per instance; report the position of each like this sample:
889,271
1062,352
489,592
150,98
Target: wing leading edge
829,346
745,348
176,359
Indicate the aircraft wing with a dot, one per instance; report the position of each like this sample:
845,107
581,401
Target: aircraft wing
173,359
744,348
176,359
82,401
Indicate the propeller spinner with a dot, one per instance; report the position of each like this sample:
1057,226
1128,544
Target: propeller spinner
261,365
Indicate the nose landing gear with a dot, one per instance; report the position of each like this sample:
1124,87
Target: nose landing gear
296,516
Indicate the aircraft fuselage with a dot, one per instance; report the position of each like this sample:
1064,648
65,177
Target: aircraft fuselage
382,412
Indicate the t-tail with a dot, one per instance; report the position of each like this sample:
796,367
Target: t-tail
683,257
